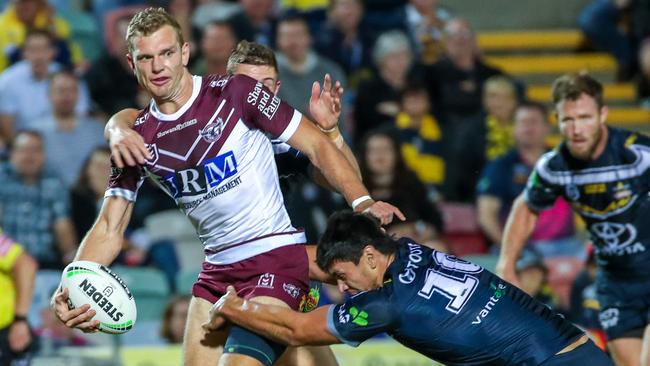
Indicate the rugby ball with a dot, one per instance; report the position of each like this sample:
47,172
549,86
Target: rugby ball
94,284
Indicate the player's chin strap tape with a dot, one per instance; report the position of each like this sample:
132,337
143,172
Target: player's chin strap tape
359,201
245,342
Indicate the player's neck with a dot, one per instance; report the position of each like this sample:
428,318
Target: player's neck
177,100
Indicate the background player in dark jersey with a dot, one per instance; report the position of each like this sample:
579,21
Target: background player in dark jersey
604,173
446,308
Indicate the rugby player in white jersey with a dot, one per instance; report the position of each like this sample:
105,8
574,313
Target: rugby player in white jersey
211,154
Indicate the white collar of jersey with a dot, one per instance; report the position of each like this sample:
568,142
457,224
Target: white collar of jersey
196,88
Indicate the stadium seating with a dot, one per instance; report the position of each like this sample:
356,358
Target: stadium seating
186,279
462,233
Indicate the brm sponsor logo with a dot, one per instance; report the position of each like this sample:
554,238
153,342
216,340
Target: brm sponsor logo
100,300
200,180
415,256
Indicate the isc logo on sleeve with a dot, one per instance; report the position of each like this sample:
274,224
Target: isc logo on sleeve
201,179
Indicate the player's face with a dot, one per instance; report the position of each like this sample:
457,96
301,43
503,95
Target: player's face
159,61
353,278
262,73
582,124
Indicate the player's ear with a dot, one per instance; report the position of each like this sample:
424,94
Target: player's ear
129,59
369,256
604,111
185,53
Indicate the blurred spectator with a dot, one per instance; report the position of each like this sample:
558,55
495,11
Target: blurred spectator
24,86
643,79
641,19
426,21
388,179
420,137
600,22
64,128
34,209
17,273
385,15
533,277
255,22
22,16
377,101
504,178
456,81
313,11
138,250
173,321
299,65
584,304
483,139
344,41
111,81
217,43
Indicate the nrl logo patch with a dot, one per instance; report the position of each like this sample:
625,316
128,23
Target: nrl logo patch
212,131
153,149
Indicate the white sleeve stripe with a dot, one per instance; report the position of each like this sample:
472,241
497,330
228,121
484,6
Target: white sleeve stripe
291,127
120,192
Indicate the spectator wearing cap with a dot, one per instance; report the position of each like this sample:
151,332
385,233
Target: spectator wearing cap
533,276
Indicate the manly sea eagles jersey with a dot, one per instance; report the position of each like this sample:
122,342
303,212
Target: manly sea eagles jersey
214,158
454,312
611,195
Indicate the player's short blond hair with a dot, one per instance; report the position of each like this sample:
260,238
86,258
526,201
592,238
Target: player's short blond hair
251,53
149,21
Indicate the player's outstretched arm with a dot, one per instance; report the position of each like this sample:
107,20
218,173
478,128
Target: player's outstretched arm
325,106
127,146
520,224
278,323
102,244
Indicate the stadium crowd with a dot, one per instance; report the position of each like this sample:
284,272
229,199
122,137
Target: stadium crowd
438,132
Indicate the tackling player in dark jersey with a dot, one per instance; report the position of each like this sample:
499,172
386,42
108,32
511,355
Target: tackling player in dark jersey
604,173
446,308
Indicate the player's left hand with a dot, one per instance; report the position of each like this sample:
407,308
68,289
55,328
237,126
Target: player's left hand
325,104
19,336
383,211
216,319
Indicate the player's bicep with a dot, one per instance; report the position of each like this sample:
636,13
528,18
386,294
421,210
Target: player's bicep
361,318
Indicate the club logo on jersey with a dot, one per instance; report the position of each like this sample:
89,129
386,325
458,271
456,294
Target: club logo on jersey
291,289
608,318
499,291
572,192
266,280
212,131
622,191
203,178
415,256
616,239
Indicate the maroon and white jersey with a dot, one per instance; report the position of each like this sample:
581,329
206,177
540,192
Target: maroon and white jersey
214,158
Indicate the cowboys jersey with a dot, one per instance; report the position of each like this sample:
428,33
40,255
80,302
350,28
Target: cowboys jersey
610,194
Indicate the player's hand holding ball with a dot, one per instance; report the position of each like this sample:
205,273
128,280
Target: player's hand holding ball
93,298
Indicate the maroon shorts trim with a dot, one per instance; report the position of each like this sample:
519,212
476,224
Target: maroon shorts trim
282,273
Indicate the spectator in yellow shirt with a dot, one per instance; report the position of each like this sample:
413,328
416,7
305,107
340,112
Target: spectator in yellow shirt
20,16
17,272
